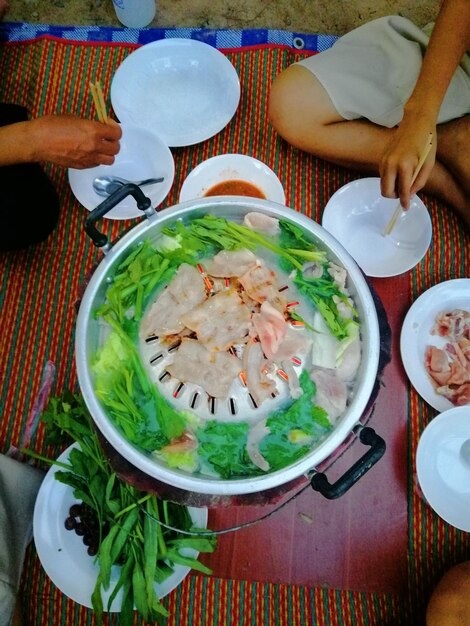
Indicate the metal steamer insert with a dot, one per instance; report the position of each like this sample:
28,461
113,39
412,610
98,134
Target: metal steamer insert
239,405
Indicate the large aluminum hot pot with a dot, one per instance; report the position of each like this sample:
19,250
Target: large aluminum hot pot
89,335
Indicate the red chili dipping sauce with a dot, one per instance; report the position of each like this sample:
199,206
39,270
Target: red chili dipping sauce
235,188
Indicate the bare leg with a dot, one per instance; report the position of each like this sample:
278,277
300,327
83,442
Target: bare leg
448,605
453,149
303,114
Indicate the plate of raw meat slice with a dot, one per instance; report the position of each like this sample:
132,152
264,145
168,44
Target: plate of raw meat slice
435,344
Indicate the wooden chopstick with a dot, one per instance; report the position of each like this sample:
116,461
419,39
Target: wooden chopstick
398,210
98,99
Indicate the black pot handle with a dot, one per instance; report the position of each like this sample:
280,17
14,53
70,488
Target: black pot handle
368,437
143,203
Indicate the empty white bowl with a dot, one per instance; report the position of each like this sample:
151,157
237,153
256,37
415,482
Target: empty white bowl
142,155
357,215
185,89
443,466
227,167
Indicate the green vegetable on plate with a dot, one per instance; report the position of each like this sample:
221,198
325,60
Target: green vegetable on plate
130,534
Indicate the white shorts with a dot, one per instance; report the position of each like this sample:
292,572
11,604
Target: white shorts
371,72
19,484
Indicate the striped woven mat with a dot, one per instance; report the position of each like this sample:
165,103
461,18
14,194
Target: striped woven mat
39,288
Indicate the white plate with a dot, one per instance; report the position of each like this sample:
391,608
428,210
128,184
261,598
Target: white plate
443,466
142,155
63,554
357,215
416,334
184,89
232,167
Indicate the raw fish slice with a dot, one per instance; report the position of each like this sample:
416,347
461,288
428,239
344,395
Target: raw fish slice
227,263
185,291
221,321
213,371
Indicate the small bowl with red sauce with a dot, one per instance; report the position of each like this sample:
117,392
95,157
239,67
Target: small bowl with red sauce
232,175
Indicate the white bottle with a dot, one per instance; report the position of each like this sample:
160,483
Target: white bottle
135,13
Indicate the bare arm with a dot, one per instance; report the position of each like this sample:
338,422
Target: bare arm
61,139
449,41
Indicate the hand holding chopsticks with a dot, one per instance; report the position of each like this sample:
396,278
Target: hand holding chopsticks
398,210
98,99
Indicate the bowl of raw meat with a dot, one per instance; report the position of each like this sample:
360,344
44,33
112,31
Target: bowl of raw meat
435,344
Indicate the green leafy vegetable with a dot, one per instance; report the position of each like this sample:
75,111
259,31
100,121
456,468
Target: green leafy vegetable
322,291
216,233
295,429
223,446
130,535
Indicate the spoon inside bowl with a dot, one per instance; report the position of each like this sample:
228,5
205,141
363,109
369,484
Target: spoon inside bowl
106,185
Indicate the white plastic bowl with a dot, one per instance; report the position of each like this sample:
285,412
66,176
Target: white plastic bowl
184,89
232,167
443,466
142,155
357,215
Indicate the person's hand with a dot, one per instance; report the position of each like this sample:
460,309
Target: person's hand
72,141
4,7
401,157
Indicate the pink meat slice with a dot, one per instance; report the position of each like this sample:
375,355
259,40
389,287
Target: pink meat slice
255,366
453,324
261,285
262,223
271,327
256,434
437,365
220,321
449,368
332,393
464,345
185,291
213,371
294,343
462,395
458,374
